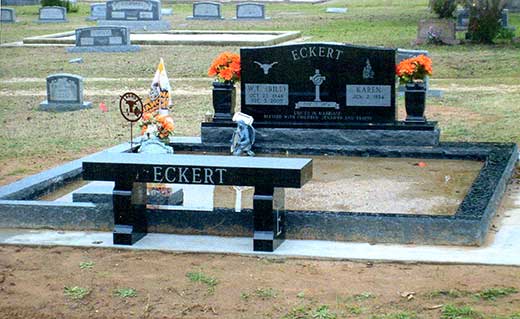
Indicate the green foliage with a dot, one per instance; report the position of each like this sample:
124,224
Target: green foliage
444,8
494,293
265,293
76,292
300,295
452,293
354,310
484,20
126,292
199,276
463,312
323,312
363,296
506,34
86,265
61,3
245,296
398,315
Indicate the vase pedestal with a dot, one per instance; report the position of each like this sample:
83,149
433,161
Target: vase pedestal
415,102
224,101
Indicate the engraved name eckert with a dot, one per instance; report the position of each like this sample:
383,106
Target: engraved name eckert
316,51
188,175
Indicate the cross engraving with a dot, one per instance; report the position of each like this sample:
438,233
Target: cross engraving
317,79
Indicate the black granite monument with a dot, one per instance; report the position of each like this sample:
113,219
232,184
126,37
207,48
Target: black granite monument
321,94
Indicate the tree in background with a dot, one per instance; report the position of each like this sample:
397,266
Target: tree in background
484,19
444,8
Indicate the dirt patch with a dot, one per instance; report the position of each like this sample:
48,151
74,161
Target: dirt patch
172,285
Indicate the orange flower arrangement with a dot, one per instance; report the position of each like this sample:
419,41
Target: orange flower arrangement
158,125
226,67
414,69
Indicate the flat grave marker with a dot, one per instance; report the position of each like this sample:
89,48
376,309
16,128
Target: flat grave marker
52,15
250,11
206,11
103,39
7,15
64,93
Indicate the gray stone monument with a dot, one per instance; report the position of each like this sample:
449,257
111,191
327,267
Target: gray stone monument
206,11
103,39
135,14
513,5
166,11
97,11
7,15
251,11
462,19
52,15
64,93
20,2
402,54
436,30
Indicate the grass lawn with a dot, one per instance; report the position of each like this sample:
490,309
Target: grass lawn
480,83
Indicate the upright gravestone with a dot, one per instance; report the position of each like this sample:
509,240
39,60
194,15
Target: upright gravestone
403,54
135,14
321,93
206,11
513,5
251,11
64,93
52,15
98,11
462,19
20,2
436,31
103,39
7,15
504,20
318,82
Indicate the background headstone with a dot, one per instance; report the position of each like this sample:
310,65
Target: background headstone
20,2
135,14
513,5
64,93
97,11
318,82
103,39
251,11
443,30
133,10
207,11
52,15
403,54
7,15
462,19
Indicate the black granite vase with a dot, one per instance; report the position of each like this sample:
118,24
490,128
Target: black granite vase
415,100
224,101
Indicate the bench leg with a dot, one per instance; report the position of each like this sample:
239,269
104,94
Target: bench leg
268,219
129,200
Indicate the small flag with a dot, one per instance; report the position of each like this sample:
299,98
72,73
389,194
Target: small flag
103,107
161,79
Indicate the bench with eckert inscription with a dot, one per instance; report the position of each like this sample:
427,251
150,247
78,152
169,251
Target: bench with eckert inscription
131,172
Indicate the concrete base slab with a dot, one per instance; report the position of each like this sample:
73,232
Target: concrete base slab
111,48
61,107
160,25
502,251
183,37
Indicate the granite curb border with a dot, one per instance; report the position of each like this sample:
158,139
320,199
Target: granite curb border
468,226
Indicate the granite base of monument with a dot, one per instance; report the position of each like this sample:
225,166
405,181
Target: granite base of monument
63,107
112,48
138,25
308,135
